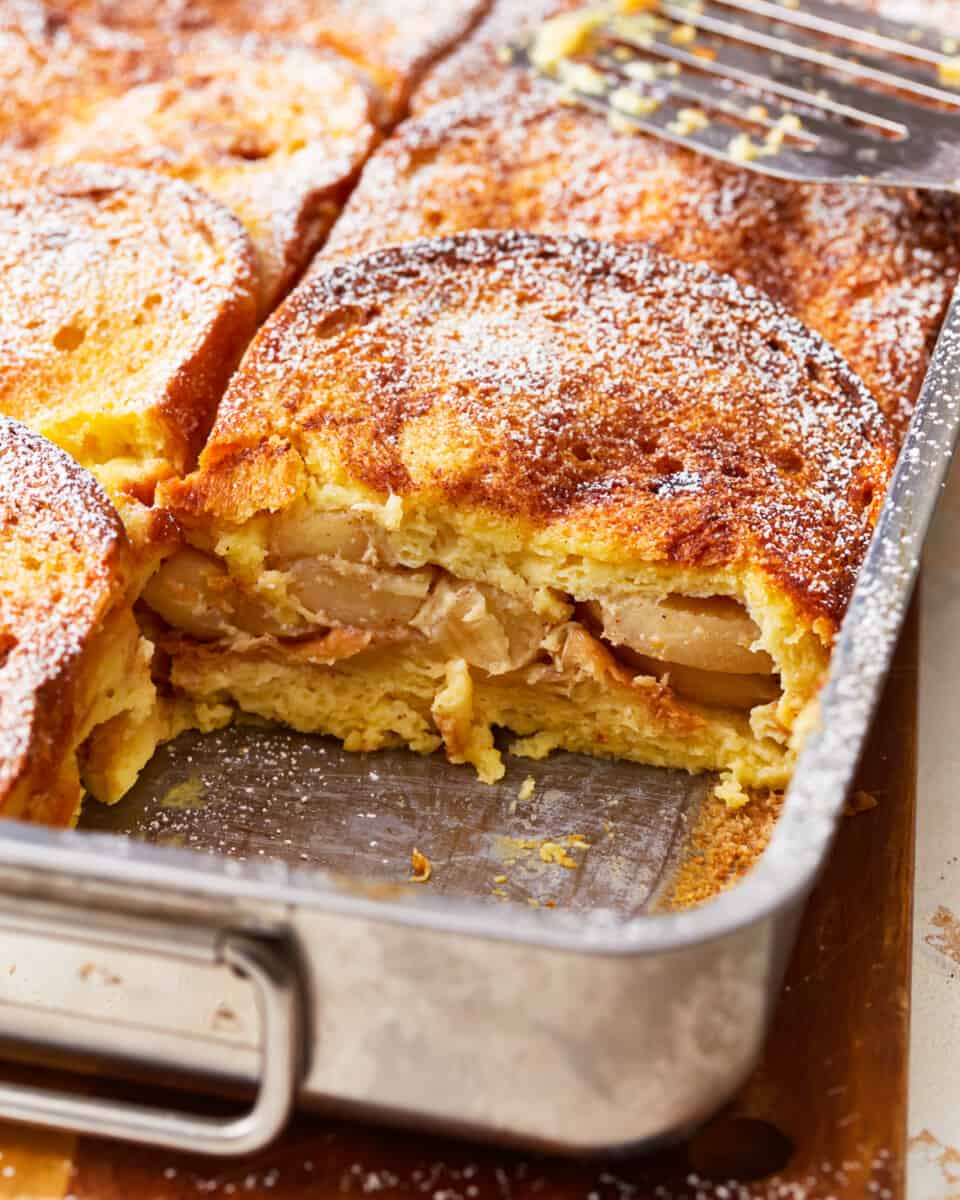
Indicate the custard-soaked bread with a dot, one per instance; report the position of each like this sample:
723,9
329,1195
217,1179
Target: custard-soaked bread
275,131
126,300
72,662
391,41
607,500
476,65
872,271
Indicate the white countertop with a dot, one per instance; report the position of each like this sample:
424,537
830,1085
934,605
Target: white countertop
934,1123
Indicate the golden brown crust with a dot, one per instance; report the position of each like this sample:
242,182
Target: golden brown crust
392,42
63,568
473,66
572,386
125,302
275,131
872,271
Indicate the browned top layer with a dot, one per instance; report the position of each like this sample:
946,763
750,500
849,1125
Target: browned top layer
125,301
61,570
275,131
393,41
474,66
870,270
592,390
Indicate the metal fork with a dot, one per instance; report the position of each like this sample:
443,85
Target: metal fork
800,93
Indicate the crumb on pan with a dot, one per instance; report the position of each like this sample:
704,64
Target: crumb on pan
859,802
421,866
949,72
526,788
689,120
535,746
731,792
553,852
683,35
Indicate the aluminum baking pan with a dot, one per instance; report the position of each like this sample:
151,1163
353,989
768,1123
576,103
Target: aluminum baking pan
265,936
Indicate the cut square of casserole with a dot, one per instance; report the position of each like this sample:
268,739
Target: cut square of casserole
392,42
73,665
126,300
274,130
869,269
603,499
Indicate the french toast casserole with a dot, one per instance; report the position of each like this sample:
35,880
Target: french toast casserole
395,401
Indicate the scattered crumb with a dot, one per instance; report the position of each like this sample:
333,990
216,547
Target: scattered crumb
731,791
581,77
499,879
633,103
526,788
561,36
536,746
533,851
949,72
683,35
946,937
185,795
638,27
100,974
421,865
689,120
224,1017
859,802
553,852
742,148
533,902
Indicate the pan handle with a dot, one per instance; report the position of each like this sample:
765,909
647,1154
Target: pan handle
280,1012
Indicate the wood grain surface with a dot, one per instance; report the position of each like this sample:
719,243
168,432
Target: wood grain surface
824,1115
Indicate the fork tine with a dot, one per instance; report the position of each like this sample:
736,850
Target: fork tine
813,130
752,33
846,130
710,95
831,24
752,70
716,138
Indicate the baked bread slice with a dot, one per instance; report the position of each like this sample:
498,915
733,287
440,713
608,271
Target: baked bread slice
872,271
73,664
475,66
276,131
607,500
392,41
126,300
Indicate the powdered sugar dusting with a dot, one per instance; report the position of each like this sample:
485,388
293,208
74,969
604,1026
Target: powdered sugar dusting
126,299
870,270
274,130
61,567
674,414
393,44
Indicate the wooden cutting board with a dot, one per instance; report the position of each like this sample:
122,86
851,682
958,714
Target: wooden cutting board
823,1116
